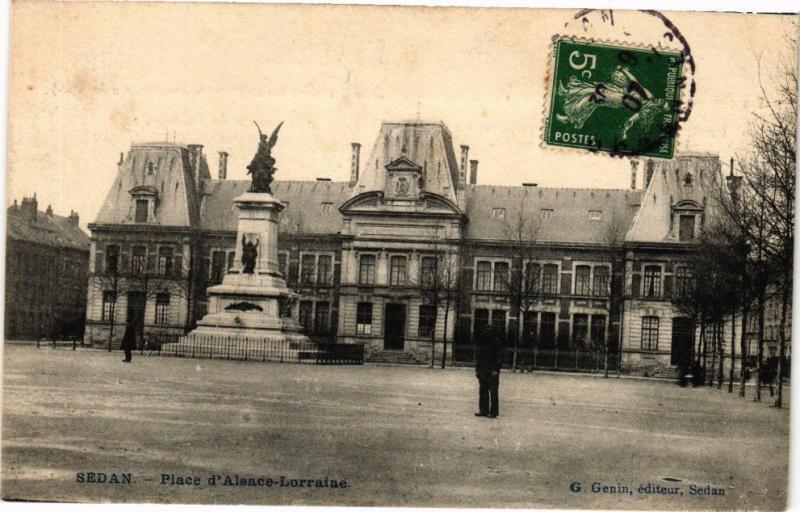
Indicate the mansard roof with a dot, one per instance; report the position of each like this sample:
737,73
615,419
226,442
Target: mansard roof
52,230
566,217
304,213
426,144
168,170
688,181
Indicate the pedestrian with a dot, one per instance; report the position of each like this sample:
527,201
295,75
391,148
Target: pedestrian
487,369
128,341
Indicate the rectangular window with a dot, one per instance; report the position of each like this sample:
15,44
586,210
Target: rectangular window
533,279
112,259
364,318
582,279
427,321
683,281
322,318
307,269
483,277
480,323
501,276
139,259
231,257
550,279
162,308
546,213
217,266
306,314
397,270
598,331
324,265
499,323
686,228
652,281
499,213
142,207
600,284
109,304
326,207
529,335
649,333
548,329
283,259
165,260
366,270
595,214
428,271
580,329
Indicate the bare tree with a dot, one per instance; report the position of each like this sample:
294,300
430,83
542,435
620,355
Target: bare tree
613,237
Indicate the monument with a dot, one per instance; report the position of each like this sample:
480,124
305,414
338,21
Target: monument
252,306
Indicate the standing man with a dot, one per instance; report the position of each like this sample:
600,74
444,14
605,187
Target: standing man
487,369
128,341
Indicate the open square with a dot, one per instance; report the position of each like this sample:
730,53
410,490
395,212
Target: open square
397,435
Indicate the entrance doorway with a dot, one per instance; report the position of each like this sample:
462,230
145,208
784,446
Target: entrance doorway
682,342
394,327
136,303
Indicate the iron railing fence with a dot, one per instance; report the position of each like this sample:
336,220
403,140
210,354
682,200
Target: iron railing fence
263,349
543,359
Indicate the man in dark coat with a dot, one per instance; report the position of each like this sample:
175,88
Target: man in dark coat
128,342
487,369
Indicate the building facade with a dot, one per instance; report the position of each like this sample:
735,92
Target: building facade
47,257
411,250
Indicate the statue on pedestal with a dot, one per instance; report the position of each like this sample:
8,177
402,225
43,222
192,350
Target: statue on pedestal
262,167
249,255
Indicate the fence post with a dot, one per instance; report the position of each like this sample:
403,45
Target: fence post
534,356
556,361
576,359
54,342
74,343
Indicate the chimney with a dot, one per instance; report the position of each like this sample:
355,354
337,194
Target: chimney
649,168
462,178
73,217
49,211
195,157
30,207
734,183
634,169
473,172
223,165
354,162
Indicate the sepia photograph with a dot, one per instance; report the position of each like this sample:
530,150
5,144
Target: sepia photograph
398,256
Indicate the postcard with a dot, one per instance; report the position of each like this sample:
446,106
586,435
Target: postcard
350,255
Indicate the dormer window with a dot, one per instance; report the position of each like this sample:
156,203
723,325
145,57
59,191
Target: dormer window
150,168
688,180
142,211
499,213
686,228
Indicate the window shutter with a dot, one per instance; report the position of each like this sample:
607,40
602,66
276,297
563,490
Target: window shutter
293,271
566,284
637,266
668,286
177,266
636,284
466,275
151,262
337,273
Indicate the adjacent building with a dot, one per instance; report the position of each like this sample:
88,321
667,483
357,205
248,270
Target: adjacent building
47,257
370,256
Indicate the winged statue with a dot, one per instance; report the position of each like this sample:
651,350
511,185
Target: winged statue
262,167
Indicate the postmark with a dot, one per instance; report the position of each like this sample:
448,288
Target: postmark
617,98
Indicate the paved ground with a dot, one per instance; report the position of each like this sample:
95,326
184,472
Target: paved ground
400,436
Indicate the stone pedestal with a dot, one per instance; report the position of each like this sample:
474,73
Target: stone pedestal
248,307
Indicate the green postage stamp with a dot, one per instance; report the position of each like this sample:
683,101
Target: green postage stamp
613,98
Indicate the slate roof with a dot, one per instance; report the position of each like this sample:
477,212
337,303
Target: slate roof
427,144
305,208
55,231
569,221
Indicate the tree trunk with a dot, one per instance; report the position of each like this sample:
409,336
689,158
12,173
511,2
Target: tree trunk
782,333
760,359
743,352
444,337
713,369
733,352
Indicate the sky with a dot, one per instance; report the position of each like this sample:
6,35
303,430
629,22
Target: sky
87,80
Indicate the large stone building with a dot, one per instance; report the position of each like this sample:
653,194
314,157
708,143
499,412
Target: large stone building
363,253
47,257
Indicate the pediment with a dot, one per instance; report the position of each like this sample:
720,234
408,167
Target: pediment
403,164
